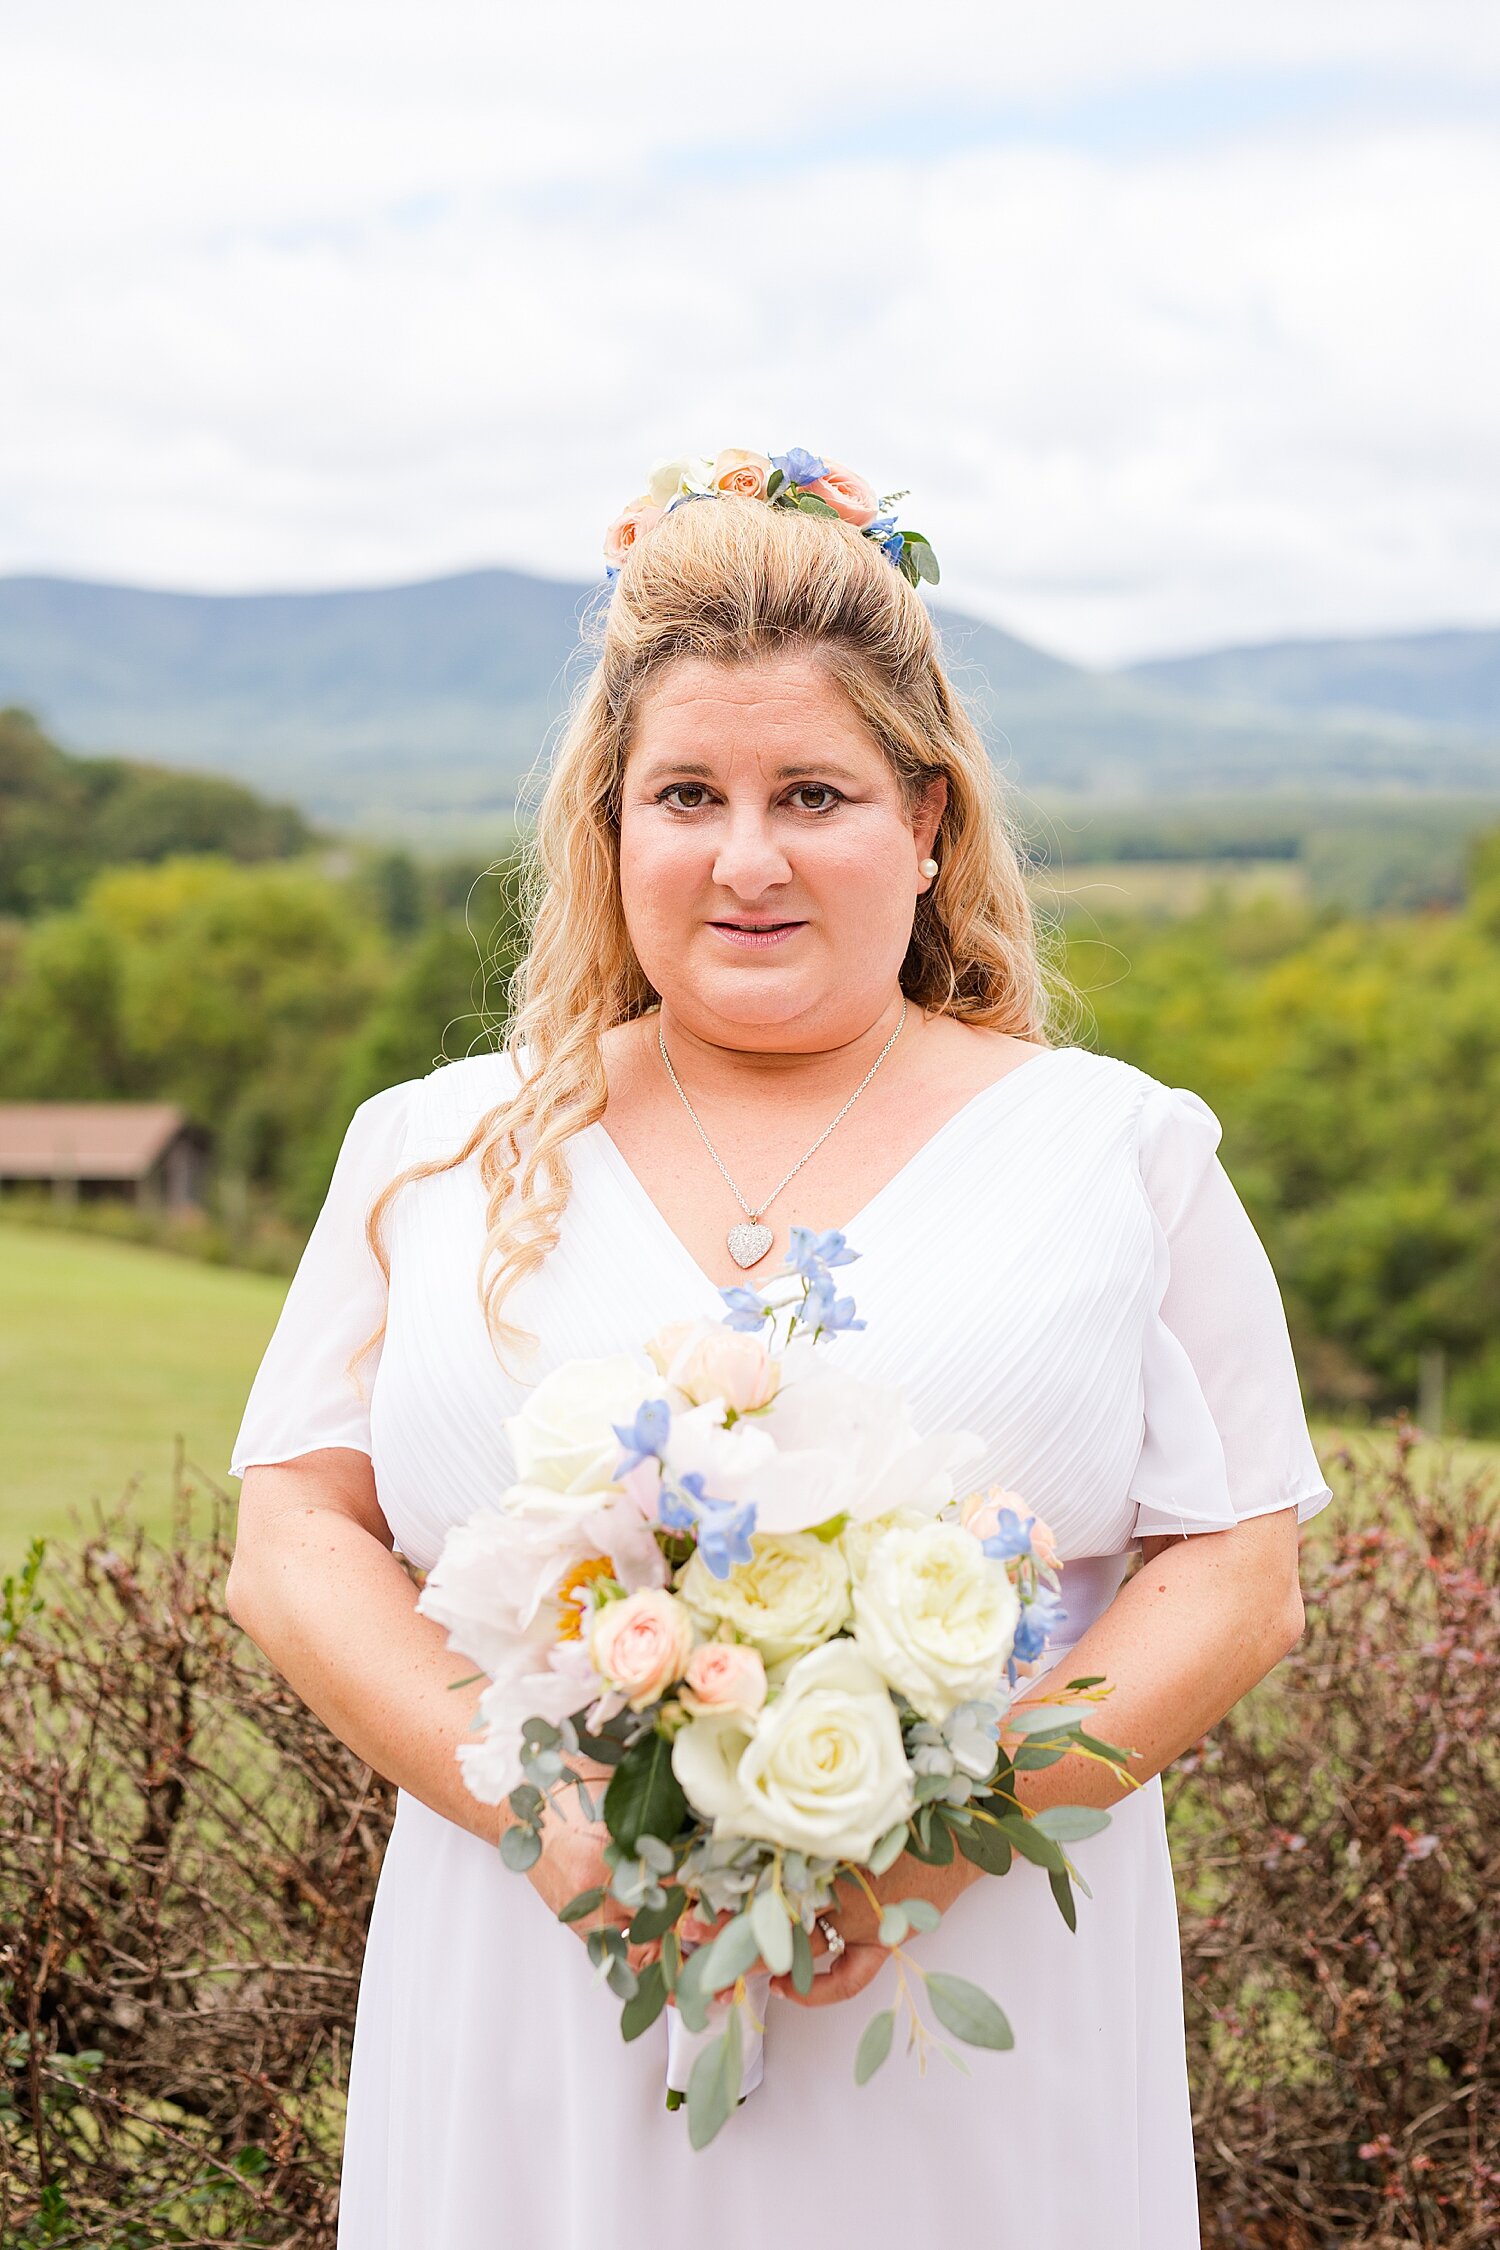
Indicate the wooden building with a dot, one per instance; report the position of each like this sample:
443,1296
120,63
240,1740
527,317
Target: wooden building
144,1153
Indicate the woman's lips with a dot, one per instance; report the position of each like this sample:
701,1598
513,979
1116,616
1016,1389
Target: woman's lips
757,936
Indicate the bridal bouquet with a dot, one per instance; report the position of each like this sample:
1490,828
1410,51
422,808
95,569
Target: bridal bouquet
735,1575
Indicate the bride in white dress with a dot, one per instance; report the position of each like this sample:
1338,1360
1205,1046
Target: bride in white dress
770,828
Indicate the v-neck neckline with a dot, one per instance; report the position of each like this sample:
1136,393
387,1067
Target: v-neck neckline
615,1159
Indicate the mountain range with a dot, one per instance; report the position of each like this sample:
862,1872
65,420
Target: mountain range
406,708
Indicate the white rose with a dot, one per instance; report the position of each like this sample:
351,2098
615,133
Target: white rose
859,1540
669,478
935,1616
823,1771
565,1448
792,1595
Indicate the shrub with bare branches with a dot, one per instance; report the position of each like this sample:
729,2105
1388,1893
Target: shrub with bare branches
187,1862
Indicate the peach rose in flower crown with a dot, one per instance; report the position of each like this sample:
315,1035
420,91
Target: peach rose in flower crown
735,470
848,493
631,524
639,1646
724,1676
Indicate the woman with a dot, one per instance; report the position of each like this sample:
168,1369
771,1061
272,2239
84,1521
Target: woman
782,936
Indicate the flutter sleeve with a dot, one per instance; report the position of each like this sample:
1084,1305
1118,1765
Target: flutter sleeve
303,1397
1225,1434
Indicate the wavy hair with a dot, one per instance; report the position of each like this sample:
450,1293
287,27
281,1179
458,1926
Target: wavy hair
728,581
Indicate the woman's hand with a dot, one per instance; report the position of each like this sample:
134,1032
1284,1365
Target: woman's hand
572,1859
857,1919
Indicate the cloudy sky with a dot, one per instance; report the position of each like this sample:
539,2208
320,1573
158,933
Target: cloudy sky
1180,322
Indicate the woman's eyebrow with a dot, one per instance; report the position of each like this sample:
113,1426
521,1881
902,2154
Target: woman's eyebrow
798,769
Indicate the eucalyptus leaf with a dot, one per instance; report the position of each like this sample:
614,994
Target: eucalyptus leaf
730,1954
1069,1824
639,2013
1032,1757
1062,1891
874,2045
714,2086
622,1980
773,1932
893,1926
985,1846
520,1847
1095,1679
1043,1718
655,1921
889,1849
583,1902
1040,1848
802,1960
921,1913
969,2013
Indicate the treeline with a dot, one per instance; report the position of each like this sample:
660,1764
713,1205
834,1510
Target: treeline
63,819
1353,1059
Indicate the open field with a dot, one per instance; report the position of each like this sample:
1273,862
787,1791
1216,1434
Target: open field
1165,887
108,1353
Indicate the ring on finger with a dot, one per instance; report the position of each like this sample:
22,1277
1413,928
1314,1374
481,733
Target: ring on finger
833,1937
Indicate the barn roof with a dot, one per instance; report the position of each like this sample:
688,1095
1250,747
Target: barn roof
85,1140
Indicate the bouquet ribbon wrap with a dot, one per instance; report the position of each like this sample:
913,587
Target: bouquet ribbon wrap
684,2046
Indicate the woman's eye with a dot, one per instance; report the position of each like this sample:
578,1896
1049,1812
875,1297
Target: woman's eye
693,790
827,796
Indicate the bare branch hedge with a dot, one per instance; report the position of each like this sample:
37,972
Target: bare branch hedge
188,1858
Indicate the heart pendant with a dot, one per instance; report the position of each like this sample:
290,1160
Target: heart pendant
747,1243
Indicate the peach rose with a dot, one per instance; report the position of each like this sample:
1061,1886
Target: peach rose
707,1360
980,1513
724,1676
628,526
641,1645
846,492
735,470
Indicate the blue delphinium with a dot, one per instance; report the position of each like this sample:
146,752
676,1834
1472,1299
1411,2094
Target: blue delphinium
1010,1536
747,1309
1040,1618
723,1531
799,466
643,1438
820,1308
808,1250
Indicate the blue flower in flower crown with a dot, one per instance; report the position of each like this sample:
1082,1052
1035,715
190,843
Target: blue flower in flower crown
799,466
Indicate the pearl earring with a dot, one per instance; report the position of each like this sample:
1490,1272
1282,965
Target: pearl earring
927,867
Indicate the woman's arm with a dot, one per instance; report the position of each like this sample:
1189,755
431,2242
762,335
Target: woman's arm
316,1585
1198,1624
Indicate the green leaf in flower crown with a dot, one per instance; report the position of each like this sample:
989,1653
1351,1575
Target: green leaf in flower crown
811,505
969,2013
640,2012
774,483
644,1796
714,2085
874,2045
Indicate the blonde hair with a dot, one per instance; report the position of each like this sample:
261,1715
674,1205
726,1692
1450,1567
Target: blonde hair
728,581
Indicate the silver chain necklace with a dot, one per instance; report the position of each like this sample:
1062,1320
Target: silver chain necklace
748,1243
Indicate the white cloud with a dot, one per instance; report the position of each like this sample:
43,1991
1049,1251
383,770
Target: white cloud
331,295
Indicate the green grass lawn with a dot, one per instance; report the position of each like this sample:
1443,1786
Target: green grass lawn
109,1352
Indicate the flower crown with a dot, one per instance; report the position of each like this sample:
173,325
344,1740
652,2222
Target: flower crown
798,479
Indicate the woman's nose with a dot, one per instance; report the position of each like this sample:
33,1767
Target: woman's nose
749,858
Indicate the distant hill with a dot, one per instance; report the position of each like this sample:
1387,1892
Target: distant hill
63,818
1447,680
418,710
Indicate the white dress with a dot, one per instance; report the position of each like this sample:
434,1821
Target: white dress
1065,1268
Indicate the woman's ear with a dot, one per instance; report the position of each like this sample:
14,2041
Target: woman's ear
931,806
